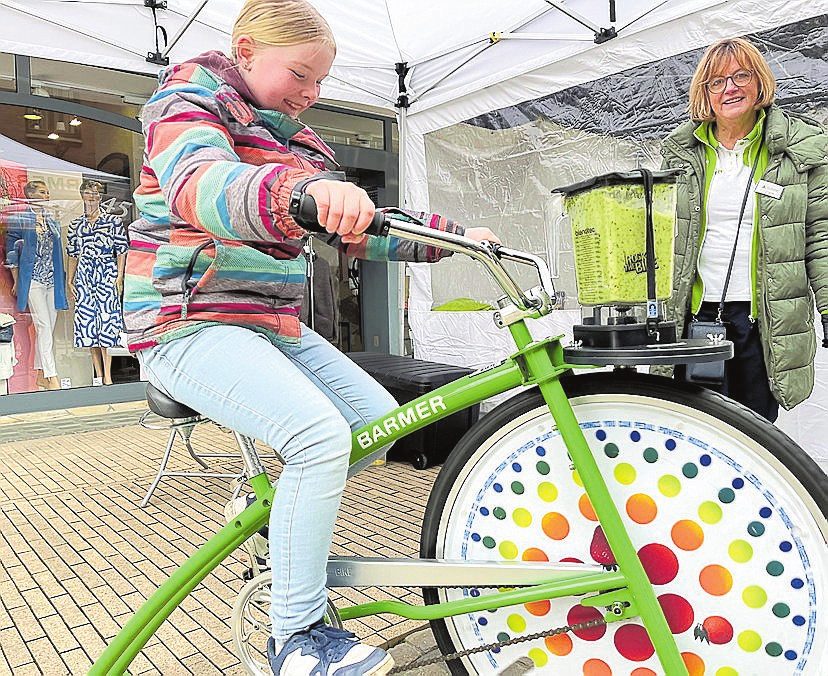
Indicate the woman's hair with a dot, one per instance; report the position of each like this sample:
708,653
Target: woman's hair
89,184
713,62
281,23
29,188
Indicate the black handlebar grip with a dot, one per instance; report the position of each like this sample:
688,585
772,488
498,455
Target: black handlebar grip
303,212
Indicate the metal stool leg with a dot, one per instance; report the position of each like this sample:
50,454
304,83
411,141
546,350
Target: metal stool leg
164,460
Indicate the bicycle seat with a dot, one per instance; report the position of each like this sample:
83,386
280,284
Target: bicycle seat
160,404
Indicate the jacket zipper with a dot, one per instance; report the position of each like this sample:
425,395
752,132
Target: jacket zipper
187,285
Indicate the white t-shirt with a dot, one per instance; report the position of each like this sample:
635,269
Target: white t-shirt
724,200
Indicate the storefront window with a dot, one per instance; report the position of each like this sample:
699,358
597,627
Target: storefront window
344,128
8,80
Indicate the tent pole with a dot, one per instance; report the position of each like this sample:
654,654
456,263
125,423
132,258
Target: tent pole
184,27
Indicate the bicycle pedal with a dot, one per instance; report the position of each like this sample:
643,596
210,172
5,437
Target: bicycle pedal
248,575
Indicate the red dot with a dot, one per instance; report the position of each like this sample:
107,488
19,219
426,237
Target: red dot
677,611
578,614
659,562
632,642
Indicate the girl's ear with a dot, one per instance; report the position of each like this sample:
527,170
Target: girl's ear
244,51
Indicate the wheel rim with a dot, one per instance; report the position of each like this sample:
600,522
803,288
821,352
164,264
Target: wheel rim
748,561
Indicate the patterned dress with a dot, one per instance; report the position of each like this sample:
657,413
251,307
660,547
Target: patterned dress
98,318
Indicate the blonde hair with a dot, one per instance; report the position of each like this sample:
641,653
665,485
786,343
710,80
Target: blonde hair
281,23
717,57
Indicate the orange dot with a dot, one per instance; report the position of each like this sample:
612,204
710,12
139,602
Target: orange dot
641,508
694,664
596,667
538,608
715,580
642,671
586,508
559,644
688,535
555,525
534,554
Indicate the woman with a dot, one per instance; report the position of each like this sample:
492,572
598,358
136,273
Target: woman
35,259
781,244
214,282
96,248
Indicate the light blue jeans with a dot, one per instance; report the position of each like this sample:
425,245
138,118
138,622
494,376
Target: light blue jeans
301,401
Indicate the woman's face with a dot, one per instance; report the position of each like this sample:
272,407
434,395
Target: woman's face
285,79
735,104
91,199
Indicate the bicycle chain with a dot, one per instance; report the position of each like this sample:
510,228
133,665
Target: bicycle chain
500,644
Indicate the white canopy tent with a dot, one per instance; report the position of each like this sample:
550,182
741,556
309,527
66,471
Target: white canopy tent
434,64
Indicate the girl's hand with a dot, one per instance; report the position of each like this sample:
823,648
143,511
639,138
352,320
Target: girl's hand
342,208
480,234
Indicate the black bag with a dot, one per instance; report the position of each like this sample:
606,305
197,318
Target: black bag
711,372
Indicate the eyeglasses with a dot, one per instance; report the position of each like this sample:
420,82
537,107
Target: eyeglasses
740,78
86,193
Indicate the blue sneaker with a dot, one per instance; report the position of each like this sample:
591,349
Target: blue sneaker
322,650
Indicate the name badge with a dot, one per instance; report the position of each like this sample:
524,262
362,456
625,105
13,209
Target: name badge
769,189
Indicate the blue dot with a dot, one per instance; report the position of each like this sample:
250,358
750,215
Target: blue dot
635,435
541,451
495,650
738,482
785,546
790,655
484,511
475,537
670,444
483,621
516,466
474,592
798,620
797,583
765,512
498,488
705,460
600,435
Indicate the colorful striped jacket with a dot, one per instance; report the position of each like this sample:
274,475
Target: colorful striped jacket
214,243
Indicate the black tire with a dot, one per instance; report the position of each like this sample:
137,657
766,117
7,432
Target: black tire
778,461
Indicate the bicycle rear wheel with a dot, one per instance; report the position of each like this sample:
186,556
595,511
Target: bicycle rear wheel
727,513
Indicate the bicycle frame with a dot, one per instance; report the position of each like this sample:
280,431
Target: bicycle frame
627,593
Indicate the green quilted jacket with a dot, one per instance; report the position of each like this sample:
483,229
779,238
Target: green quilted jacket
790,250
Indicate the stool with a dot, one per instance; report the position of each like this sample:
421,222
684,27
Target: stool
182,421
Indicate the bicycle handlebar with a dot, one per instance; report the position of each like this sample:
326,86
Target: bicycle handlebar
541,299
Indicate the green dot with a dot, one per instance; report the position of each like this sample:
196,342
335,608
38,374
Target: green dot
669,486
499,513
650,454
775,568
547,492
522,517
517,488
508,550
502,636
488,542
710,512
740,551
773,649
611,450
756,528
726,495
690,470
624,473
781,610
516,623
754,596
749,641
542,467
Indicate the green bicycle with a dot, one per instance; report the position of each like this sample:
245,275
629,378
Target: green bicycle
600,523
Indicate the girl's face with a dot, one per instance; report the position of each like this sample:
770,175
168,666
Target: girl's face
284,79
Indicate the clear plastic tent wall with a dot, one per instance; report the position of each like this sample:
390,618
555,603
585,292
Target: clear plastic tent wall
498,169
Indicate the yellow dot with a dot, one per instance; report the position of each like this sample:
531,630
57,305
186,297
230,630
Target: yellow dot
522,517
749,641
547,492
740,551
754,596
669,486
516,623
726,671
577,478
508,550
624,473
710,512
539,657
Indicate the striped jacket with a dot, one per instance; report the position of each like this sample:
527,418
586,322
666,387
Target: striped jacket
214,243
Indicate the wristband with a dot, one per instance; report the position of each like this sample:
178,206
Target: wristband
299,189
824,330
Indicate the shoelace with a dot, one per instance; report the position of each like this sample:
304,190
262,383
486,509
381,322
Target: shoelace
329,643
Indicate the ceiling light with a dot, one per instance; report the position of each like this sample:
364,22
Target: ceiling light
33,114
53,136
75,122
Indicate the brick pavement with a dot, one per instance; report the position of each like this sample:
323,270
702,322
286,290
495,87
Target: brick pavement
78,556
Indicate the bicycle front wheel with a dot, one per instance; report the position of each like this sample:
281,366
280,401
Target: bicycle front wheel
727,514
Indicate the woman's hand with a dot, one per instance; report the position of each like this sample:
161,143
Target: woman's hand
481,234
72,293
342,208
